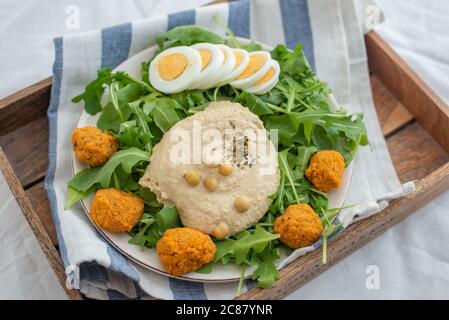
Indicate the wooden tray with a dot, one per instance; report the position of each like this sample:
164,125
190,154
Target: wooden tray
414,120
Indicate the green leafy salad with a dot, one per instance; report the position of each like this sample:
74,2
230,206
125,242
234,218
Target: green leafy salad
299,107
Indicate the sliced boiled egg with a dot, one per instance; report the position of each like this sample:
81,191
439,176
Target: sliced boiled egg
212,59
229,63
241,62
175,69
258,66
268,81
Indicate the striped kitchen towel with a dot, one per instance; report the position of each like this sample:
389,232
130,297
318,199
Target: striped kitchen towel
332,38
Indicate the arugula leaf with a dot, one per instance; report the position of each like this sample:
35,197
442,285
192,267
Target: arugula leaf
286,171
286,125
85,179
94,91
164,113
145,223
254,104
319,201
88,180
148,197
245,242
224,247
112,117
145,72
278,197
293,63
186,36
150,229
73,196
308,127
327,130
330,229
168,218
127,159
190,99
252,46
130,135
130,92
302,159
205,269
144,128
266,273
249,248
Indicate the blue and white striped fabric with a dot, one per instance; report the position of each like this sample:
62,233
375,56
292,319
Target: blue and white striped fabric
335,49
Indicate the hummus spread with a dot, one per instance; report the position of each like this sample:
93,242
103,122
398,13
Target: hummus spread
211,196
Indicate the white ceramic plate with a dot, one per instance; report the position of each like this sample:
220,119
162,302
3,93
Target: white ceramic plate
148,258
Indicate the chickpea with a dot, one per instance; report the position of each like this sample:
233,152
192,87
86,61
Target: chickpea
220,231
242,203
192,177
210,183
225,169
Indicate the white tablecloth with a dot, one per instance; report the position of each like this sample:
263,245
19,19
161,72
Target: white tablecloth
411,260
24,270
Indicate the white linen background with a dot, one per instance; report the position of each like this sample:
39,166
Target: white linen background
412,257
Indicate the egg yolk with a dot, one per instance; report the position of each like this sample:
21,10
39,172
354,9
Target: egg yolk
256,61
172,66
205,58
267,77
238,59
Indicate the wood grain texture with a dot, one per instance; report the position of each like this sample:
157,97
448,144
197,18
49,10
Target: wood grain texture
24,106
422,102
39,200
35,224
27,150
393,115
414,153
357,235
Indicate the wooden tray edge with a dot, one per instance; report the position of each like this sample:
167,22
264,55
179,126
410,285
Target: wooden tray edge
36,225
422,102
34,98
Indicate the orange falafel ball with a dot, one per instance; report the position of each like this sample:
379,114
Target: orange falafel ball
325,170
115,210
183,250
299,226
93,146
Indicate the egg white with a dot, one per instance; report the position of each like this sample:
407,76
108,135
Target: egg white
238,69
267,86
256,76
183,81
207,77
224,73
